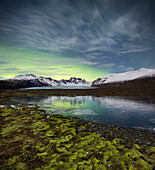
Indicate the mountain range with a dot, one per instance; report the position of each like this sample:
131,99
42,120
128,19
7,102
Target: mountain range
141,77
30,80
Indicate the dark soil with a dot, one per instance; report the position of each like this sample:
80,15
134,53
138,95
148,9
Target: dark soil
106,91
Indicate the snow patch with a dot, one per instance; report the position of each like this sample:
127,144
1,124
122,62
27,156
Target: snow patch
73,81
121,77
25,77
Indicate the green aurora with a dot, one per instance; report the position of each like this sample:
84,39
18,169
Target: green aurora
16,61
83,39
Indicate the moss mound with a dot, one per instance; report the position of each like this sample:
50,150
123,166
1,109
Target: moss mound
30,139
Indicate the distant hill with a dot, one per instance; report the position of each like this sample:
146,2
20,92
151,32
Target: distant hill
30,80
142,77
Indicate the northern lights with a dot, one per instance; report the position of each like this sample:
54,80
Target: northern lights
23,61
84,38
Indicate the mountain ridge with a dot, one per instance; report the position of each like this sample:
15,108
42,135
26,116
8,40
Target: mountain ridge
31,80
121,78
53,82
142,77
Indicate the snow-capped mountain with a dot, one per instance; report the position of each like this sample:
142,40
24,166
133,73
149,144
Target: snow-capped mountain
73,81
47,81
24,77
142,73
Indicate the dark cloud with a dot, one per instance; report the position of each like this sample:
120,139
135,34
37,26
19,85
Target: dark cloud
43,62
40,61
25,72
9,69
84,28
3,62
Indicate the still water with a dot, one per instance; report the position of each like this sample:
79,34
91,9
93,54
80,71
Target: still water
110,110
62,87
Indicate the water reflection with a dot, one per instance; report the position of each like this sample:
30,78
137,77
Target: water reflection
62,87
111,110
125,104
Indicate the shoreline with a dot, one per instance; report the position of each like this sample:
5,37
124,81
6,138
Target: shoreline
108,131
148,95
31,139
135,91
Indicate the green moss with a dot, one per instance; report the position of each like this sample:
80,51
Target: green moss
42,154
6,113
21,166
8,130
38,116
13,160
31,141
39,126
82,127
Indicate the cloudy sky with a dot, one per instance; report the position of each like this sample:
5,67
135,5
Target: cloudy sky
83,38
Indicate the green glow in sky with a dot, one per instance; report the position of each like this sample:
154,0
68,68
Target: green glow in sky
16,61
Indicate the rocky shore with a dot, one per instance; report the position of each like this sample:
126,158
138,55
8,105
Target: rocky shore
31,138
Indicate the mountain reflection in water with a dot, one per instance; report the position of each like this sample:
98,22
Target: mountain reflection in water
111,110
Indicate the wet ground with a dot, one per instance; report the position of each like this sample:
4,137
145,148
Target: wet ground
31,138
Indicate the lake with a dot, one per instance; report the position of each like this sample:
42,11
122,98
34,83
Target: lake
62,87
110,110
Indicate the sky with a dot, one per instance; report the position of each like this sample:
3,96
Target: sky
68,38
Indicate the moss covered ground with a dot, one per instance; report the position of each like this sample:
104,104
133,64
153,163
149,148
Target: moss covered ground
31,139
